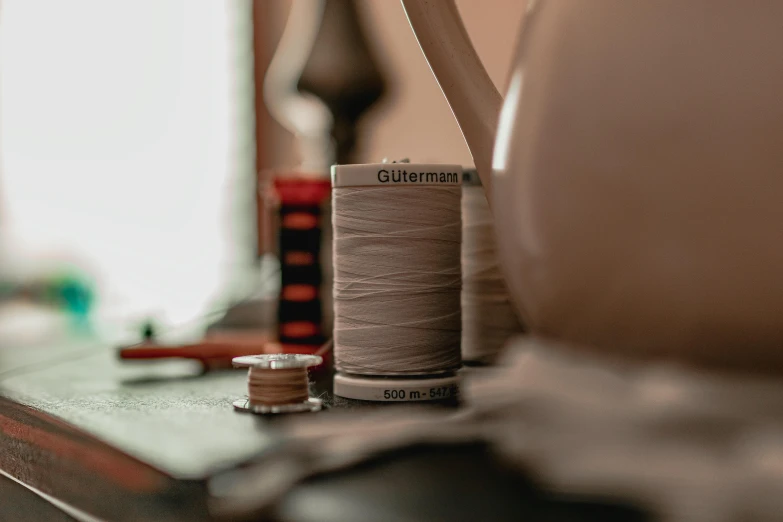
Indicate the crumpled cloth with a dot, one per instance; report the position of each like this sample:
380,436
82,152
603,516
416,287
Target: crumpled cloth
689,445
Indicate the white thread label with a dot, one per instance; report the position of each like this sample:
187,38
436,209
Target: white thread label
436,393
396,390
395,174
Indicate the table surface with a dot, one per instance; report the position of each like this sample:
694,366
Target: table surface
162,414
139,441
77,423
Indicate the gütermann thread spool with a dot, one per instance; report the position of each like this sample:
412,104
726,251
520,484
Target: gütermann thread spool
397,279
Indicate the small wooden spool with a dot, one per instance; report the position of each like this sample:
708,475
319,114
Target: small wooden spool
271,377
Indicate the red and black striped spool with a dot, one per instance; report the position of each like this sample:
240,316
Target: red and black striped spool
300,310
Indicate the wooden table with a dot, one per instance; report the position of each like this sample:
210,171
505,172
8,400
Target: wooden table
139,442
123,441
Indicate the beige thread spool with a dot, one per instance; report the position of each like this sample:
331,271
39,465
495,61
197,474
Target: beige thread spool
397,230
488,316
277,383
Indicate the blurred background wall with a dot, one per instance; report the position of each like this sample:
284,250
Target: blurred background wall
127,137
414,120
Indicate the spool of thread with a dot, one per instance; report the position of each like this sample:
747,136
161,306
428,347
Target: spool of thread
397,278
300,311
488,316
277,383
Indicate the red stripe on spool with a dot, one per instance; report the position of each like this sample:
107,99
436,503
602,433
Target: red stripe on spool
296,329
299,221
299,293
298,258
294,190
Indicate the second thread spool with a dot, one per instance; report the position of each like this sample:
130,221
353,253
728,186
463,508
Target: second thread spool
488,316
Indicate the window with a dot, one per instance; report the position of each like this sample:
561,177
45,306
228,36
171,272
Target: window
125,131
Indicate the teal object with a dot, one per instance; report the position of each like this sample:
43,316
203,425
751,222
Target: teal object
76,296
71,292
67,291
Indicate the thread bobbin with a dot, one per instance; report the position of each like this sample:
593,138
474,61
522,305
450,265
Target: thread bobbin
433,378
272,363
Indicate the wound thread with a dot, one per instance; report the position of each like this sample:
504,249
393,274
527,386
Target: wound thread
397,271
488,316
277,383
277,387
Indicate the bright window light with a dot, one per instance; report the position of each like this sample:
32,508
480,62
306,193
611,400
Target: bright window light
116,129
